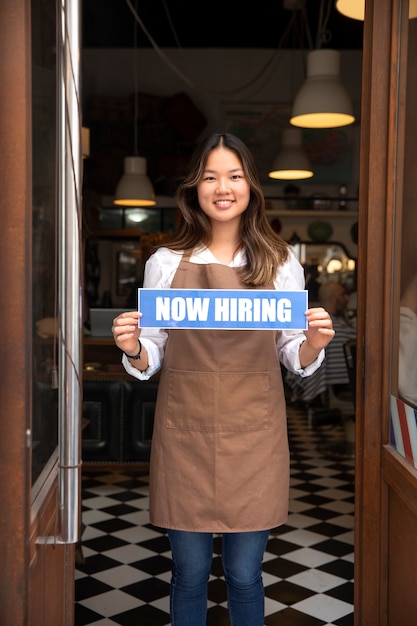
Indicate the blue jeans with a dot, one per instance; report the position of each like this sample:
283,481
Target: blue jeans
192,554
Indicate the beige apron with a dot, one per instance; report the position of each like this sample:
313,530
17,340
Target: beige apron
219,458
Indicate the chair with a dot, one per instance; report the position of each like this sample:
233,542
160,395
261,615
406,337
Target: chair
338,404
326,402
342,396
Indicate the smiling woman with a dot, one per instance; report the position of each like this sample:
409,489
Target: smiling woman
201,453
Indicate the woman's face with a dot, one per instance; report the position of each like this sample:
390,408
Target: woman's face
223,191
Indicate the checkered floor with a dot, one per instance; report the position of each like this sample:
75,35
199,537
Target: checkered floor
308,565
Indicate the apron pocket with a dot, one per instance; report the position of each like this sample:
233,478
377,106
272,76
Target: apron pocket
214,402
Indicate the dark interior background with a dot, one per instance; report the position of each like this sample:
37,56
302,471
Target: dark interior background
217,24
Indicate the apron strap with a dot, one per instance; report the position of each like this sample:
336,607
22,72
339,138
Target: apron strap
187,255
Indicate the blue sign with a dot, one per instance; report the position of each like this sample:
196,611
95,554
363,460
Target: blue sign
234,309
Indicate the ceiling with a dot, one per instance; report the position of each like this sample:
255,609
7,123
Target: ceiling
217,24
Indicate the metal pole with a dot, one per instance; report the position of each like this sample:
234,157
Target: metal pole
70,296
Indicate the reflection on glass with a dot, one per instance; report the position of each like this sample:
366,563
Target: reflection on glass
407,365
44,262
406,248
403,401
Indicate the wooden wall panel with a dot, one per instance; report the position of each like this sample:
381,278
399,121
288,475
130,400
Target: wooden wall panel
402,551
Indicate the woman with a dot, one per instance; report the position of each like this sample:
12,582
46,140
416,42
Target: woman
220,460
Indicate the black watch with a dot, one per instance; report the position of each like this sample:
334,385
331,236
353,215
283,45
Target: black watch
136,357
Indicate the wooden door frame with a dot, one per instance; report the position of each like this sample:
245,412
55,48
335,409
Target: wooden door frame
15,263
377,197
29,569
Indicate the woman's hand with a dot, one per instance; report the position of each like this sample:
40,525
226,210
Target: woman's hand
126,331
318,335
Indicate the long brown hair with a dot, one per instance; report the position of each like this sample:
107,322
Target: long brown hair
265,251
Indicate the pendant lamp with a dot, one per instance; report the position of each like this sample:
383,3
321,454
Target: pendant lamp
134,188
356,8
292,162
323,100
352,8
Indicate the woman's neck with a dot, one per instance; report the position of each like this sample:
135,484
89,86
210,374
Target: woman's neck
224,243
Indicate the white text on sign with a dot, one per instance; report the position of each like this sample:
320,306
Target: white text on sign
225,309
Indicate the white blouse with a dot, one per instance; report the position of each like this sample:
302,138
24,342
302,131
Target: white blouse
160,270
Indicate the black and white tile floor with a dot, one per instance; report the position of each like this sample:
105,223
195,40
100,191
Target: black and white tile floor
308,565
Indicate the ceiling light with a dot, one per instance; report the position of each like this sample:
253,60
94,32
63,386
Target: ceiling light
137,215
356,8
334,265
134,188
292,163
322,101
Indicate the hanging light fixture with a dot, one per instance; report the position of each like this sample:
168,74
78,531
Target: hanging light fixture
322,101
352,8
134,188
292,162
356,8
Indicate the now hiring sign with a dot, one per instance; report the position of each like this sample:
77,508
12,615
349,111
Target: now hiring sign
235,309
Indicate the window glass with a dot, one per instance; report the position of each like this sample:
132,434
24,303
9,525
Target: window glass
403,431
44,237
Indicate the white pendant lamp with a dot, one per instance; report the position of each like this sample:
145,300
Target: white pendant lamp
323,100
134,188
356,8
292,162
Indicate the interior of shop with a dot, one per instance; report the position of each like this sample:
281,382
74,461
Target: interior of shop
156,78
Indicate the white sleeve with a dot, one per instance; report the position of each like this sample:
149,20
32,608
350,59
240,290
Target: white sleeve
160,270
291,278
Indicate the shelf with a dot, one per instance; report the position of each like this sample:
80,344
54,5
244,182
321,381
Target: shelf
313,213
102,359
98,374
98,341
